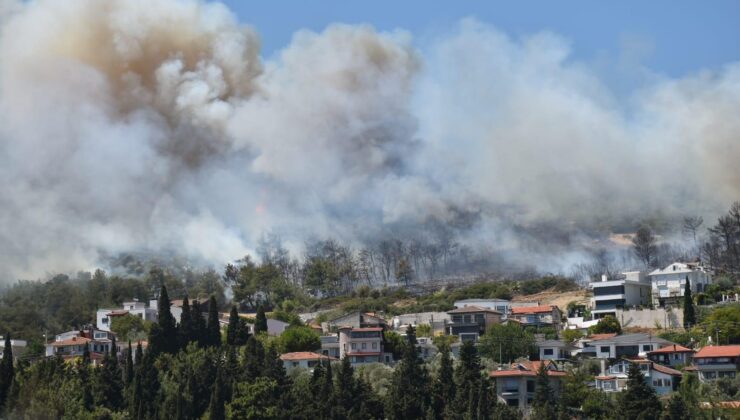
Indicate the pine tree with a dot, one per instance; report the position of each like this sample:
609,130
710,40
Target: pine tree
216,409
214,327
163,337
254,359
639,400
408,393
199,324
7,372
344,389
260,323
676,409
689,314
86,354
443,386
146,388
544,401
108,384
484,402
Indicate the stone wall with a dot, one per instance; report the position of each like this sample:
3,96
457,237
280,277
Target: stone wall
647,318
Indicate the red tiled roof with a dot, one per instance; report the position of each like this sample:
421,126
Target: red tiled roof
304,355
471,309
606,378
602,336
117,313
532,309
71,342
719,351
666,370
367,329
674,348
518,372
722,404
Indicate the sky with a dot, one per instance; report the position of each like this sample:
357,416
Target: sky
673,38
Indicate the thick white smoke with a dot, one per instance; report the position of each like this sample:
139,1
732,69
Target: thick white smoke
156,125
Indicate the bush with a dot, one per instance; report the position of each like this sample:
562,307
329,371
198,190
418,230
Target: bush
607,324
298,338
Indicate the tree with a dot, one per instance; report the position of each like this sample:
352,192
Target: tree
598,406
644,245
187,330
254,359
572,335
606,325
724,323
467,377
506,342
108,383
404,272
145,394
689,315
216,409
443,385
260,323
163,335
7,372
574,393
544,400
408,394
254,400
128,376
129,327
298,338
214,327
690,226
236,332
199,324
639,400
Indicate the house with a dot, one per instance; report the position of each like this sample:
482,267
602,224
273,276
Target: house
663,379
18,347
275,327
437,320
303,359
123,348
330,345
499,305
672,355
427,349
71,344
543,315
714,362
630,288
668,283
354,319
104,317
627,345
516,386
363,345
470,322
554,349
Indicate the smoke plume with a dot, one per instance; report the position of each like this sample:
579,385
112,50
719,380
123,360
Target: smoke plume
156,125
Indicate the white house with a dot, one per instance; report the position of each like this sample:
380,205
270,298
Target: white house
499,305
104,317
303,359
554,350
627,345
437,320
630,288
714,362
663,379
516,386
668,283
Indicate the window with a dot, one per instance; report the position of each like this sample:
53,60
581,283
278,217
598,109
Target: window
364,346
512,402
657,382
726,374
295,364
354,346
105,320
647,347
511,385
604,349
644,367
709,375
375,346
530,386
547,352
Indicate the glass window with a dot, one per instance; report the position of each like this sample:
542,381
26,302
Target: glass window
548,352
647,347
512,402
530,386
604,349
364,346
511,385
375,345
354,346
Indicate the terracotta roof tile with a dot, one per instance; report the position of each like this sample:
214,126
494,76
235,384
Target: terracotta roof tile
719,351
532,309
675,348
71,342
471,309
304,355
666,370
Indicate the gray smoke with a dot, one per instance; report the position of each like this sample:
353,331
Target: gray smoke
156,125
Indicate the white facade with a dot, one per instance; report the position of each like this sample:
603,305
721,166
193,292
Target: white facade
664,380
668,283
104,317
500,305
631,289
631,345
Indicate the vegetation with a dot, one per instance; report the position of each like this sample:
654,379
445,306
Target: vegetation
507,342
606,325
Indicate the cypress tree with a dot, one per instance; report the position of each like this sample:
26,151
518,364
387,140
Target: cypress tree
443,386
7,372
484,403
544,402
186,331
146,388
163,337
86,354
214,327
199,324
128,376
237,332
344,390
639,400
260,323
408,394
216,408
689,315
467,376
254,359
108,391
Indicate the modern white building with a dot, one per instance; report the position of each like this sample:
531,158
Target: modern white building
663,379
303,359
104,317
499,305
630,288
627,345
668,283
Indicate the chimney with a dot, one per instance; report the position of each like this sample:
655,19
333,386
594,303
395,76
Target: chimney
603,277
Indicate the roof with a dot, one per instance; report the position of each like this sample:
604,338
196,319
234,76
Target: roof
680,268
117,312
304,355
602,336
472,308
364,353
606,378
666,370
675,348
633,338
722,404
367,329
552,343
517,372
71,341
719,351
532,309
493,300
